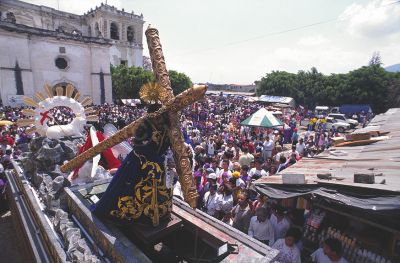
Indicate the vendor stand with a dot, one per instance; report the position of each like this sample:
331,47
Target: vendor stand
262,118
366,221
351,193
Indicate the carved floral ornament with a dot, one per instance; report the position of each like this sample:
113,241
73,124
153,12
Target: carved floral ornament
152,93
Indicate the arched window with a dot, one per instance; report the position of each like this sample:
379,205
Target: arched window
114,34
130,34
97,32
89,31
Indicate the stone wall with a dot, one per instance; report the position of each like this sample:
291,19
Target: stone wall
94,23
36,55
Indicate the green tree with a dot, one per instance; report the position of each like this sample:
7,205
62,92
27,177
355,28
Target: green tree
127,81
371,85
279,83
179,81
375,59
394,90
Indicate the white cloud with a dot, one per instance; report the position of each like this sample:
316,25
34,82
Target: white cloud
378,18
313,40
326,58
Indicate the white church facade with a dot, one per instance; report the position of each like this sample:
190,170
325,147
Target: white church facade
40,45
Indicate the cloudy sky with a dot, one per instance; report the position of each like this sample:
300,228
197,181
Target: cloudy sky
237,41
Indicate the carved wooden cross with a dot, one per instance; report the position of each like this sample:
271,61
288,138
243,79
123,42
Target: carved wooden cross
172,105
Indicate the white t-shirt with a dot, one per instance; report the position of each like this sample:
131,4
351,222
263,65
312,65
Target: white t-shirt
211,202
300,148
287,254
280,228
211,149
319,257
258,173
240,183
268,146
261,230
278,156
225,203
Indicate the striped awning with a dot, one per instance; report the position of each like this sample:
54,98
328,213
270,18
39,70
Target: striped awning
262,118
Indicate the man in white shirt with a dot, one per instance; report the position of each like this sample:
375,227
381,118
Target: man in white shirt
257,172
280,223
268,146
211,199
246,158
261,228
331,252
211,147
300,147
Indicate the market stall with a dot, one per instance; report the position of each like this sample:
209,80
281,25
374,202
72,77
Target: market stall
366,221
351,193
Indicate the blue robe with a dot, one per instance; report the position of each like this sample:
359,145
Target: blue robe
130,196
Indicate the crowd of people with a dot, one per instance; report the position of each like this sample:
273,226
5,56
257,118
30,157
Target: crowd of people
228,158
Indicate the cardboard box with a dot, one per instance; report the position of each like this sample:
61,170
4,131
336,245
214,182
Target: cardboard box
293,178
364,178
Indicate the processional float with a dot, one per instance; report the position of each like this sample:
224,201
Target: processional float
170,110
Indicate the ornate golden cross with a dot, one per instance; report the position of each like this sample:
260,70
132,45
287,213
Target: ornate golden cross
171,105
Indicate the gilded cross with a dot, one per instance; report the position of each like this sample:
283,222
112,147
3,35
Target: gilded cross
172,106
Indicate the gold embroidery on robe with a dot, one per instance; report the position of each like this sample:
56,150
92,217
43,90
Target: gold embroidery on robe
141,201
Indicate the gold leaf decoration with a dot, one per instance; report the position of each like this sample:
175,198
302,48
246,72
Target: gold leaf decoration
25,122
92,118
59,91
77,96
153,93
28,112
90,111
69,90
39,96
31,102
86,101
48,90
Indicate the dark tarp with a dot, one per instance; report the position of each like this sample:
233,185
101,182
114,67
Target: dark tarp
363,198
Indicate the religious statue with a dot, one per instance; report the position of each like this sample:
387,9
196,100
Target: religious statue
141,190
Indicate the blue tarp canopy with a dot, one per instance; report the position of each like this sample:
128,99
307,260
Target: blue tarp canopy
354,108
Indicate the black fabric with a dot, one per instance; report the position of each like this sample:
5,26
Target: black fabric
18,79
363,198
102,88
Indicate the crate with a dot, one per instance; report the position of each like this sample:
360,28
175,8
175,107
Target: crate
364,178
360,136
